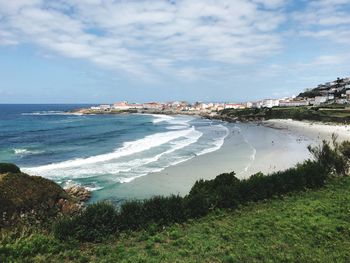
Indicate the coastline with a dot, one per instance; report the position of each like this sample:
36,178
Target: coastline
280,144
271,151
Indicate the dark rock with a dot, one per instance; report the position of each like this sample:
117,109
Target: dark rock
79,193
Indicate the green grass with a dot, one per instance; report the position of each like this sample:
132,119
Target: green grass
312,226
330,113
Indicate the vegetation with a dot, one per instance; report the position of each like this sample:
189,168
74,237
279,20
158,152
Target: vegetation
28,199
331,113
225,191
21,192
311,226
263,230
9,168
310,93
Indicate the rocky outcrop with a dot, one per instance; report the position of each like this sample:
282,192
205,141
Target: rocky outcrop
79,193
33,199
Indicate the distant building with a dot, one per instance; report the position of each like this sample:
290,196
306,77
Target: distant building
105,107
123,105
234,106
348,94
293,103
320,99
152,106
95,108
269,103
135,106
249,104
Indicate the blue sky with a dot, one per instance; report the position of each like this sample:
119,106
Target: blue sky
102,51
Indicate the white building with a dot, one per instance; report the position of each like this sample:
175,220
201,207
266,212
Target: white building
293,103
105,107
320,99
234,106
269,103
249,104
123,105
95,108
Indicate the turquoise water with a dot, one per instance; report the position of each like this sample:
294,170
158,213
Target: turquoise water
101,152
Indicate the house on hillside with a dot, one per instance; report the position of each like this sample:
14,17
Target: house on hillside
105,107
293,103
269,103
152,106
234,106
123,105
320,99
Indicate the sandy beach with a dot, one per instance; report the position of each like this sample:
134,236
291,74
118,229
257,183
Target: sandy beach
315,131
249,148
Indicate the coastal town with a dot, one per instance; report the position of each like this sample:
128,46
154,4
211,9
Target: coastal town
335,92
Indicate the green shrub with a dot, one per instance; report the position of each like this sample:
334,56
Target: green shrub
334,158
197,205
96,223
64,228
131,215
164,210
9,168
345,149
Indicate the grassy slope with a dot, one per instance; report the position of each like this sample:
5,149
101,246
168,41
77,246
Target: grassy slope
331,113
307,227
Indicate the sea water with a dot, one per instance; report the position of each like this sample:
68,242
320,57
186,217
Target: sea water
101,151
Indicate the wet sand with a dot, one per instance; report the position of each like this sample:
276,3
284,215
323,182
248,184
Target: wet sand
248,149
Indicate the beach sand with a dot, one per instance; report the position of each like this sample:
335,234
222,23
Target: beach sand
248,149
313,130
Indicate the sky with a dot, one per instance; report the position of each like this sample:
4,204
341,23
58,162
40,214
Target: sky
103,51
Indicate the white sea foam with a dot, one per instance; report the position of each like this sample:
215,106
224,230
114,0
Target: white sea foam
161,117
23,151
93,188
217,144
138,158
128,148
177,127
48,113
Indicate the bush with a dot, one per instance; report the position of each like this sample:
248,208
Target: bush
333,158
221,192
96,223
131,215
225,191
64,228
345,149
164,210
197,205
9,168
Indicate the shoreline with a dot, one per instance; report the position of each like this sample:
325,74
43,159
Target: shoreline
282,145
243,152
316,131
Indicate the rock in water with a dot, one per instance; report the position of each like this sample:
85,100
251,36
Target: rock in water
79,193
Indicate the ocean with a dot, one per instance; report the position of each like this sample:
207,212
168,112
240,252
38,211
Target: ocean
102,152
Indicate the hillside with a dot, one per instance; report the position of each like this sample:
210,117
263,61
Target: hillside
30,199
313,226
330,113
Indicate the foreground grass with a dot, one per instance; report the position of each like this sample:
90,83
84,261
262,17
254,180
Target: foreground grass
313,226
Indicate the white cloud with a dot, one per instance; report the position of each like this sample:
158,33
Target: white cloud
325,19
140,37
